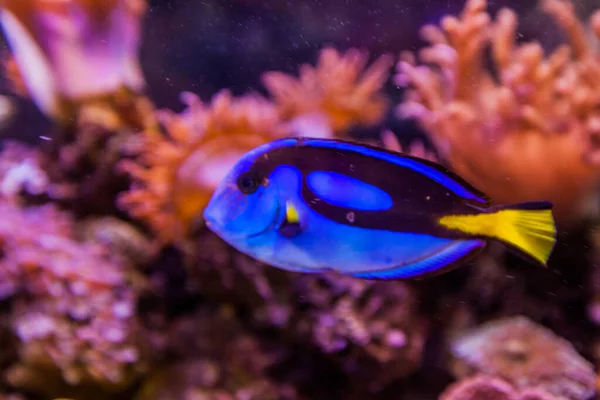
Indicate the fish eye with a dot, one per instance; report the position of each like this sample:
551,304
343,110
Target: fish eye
248,183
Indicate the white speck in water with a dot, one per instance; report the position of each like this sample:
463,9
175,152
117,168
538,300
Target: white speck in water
350,217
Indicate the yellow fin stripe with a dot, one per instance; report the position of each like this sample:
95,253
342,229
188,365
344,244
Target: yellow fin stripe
531,231
291,214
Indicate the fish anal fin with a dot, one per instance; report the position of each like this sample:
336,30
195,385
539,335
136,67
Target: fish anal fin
443,261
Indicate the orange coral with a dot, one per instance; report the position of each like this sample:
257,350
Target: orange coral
338,87
524,134
176,174
416,148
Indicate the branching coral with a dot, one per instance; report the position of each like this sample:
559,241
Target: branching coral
176,173
339,89
526,355
73,302
416,148
523,132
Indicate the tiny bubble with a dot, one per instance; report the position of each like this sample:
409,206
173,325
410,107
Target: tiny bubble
350,217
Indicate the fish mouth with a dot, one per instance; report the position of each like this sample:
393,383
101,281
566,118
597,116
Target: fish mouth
218,228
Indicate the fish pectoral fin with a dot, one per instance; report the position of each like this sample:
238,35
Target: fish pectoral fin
291,213
291,225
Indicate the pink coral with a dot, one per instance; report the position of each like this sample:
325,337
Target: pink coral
525,134
483,387
526,355
74,305
21,171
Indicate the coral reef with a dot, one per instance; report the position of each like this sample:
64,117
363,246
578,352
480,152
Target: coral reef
112,287
545,109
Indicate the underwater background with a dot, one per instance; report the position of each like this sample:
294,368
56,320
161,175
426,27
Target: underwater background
119,118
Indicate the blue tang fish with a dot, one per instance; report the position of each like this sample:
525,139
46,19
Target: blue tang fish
315,205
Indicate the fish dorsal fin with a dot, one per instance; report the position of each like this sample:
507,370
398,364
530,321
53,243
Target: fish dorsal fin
431,170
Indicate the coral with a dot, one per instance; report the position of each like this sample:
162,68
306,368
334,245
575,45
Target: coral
78,61
80,161
19,229
523,132
73,303
416,148
119,237
484,387
339,87
371,326
94,306
72,51
373,330
229,365
11,72
175,175
21,171
11,397
526,355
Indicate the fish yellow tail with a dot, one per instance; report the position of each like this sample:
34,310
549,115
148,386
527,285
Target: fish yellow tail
527,227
